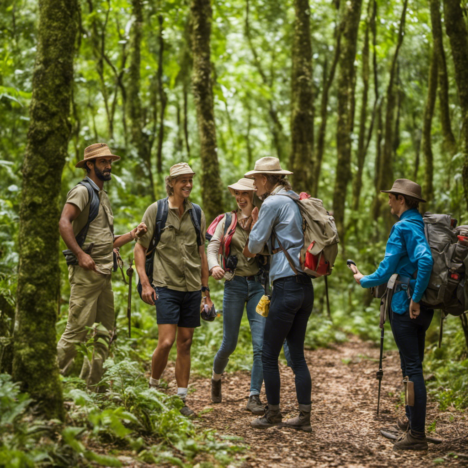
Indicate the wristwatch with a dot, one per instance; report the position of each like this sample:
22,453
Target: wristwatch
205,288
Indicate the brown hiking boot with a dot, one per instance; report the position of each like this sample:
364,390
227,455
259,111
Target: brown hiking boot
216,395
272,417
301,422
254,405
186,411
411,441
403,424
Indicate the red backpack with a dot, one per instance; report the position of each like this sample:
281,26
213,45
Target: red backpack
229,230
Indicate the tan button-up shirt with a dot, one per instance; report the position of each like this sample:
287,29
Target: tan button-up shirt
177,262
101,229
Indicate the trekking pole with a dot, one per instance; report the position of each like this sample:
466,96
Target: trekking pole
379,373
129,304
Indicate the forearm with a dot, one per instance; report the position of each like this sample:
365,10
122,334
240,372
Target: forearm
68,236
140,259
386,269
124,239
212,253
205,274
422,279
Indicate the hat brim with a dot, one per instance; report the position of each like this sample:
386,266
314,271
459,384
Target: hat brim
250,174
404,192
112,156
240,188
183,173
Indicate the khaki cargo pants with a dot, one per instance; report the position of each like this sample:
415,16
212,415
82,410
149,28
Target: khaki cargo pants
91,302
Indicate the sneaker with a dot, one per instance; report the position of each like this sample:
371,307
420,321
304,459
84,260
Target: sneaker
272,417
216,395
186,411
300,423
411,441
403,424
254,405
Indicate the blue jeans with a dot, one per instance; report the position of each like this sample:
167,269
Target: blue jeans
237,292
290,309
410,335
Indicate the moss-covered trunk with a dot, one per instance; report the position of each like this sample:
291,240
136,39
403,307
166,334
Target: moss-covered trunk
351,15
203,96
458,35
34,363
139,138
427,130
302,102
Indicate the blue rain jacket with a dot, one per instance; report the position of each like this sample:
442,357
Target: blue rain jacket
407,251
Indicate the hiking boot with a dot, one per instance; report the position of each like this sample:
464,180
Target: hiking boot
301,422
216,396
186,411
411,441
403,424
254,405
272,417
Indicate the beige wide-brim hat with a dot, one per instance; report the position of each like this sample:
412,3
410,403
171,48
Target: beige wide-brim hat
268,165
406,187
242,185
98,150
180,169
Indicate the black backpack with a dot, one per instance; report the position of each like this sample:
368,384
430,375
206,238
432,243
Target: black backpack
161,218
94,204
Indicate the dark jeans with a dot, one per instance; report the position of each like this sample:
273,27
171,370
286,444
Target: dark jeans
290,308
410,335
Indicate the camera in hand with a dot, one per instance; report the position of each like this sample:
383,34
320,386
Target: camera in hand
230,263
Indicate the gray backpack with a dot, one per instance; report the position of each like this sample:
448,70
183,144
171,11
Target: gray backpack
446,289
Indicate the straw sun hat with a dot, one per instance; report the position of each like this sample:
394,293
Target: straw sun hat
268,165
242,185
98,150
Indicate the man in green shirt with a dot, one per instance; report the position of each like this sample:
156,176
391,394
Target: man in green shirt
90,264
180,274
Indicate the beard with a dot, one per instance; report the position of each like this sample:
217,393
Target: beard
103,175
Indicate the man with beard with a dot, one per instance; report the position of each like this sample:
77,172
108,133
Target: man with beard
87,228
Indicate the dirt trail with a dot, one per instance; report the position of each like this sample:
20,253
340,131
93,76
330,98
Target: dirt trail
345,428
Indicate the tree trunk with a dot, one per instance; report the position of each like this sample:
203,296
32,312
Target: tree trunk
427,127
361,156
203,97
327,83
458,35
139,137
302,102
35,355
7,320
162,95
450,144
464,324
385,179
350,23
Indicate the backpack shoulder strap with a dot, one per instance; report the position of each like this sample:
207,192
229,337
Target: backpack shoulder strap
195,214
94,204
227,222
161,218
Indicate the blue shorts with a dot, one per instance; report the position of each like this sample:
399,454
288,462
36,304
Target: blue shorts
181,308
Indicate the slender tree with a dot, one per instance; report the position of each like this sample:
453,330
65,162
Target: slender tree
161,93
362,147
302,102
203,95
34,362
385,177
327,84
457,32
450,144
427,128
139,137
351,15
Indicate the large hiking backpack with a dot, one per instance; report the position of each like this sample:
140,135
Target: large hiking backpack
446,289
320,248
161,218
94,204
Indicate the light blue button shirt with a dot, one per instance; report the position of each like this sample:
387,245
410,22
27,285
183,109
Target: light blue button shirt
281,214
